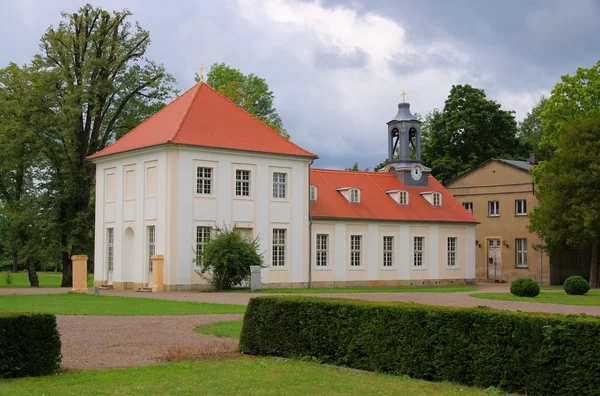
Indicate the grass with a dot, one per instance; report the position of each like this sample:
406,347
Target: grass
238,376
407,289
86,304
592,298
47,279
226,328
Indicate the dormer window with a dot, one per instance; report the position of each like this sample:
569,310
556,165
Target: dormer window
354,195
313,193
400,196
437,199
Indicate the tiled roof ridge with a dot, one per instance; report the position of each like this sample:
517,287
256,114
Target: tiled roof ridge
258,119
326,181
349,171
186,112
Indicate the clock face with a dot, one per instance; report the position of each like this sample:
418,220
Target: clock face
416,172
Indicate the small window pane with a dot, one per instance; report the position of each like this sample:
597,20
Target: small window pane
468,206
279,244
451,252
418,251
111,248
204,180
521,252
242,183
322,250
388,251
403,198
151,246
202,237
279,185
493,208
355,250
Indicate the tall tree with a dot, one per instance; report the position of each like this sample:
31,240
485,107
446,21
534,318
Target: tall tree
356,168
568,187
469,130
103,79
530,129
576,96
250,92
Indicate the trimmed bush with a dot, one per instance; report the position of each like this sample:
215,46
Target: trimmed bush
29,345
525,287
533,353
576,285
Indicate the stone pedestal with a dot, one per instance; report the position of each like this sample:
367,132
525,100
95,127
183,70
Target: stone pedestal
158,262
255,281
80,273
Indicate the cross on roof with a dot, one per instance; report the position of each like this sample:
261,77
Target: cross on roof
403,96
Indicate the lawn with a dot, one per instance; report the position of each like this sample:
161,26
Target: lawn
47,279
237,376
226,328
86,304
592,298
406,289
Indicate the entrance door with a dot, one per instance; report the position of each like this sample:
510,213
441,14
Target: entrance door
151,252
494,262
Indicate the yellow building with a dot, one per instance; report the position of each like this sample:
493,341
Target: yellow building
500,194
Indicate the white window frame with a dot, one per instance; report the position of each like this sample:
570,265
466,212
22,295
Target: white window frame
241,182
110,249
468,206
202,237
202,178
279,185
452,252
436,199
278,248
354,195
356,252
151,244
521,253
493,208
422,252
403,197
313,193
387,252
520,207
322,251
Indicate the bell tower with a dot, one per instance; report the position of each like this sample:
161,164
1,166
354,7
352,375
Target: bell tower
404,148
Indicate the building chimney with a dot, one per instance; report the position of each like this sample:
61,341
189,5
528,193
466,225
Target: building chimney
533,158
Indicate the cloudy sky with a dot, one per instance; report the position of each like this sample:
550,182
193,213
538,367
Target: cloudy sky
337,68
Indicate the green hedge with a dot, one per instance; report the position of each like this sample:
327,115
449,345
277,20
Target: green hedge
29,345
541,354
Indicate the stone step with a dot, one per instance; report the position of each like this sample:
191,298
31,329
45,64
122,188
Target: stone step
106,287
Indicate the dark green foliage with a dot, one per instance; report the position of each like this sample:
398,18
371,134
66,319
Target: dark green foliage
576,285
525,287
29,345
226,259
533,353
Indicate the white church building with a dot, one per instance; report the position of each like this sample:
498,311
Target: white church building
203,162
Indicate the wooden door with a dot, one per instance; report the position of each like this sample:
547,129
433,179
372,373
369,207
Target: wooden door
494,261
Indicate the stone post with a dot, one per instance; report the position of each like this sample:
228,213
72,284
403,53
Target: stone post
255,281
158,261
80,273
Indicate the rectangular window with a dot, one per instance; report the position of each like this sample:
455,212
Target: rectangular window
322,249
493,208
388,251
521,251
437,199
204,180
202,237
468,206
242,183
403,197
452,242
355,250
279,239
520,207
418,251
111,248
279,185
151,245
354,195
313,193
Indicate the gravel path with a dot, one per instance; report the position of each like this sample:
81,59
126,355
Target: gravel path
126,341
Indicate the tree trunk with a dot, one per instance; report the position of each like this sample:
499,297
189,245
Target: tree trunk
15,265
67,278
33,277
594,266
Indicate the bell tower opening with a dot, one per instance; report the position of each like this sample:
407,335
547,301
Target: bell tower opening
404,148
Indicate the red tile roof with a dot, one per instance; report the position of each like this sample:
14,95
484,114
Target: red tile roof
203,117
375,204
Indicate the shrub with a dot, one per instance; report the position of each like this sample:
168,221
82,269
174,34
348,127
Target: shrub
8,278
576,285
531,353
29,345
226,259
525,287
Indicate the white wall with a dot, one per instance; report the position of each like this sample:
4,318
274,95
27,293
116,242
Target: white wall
435,251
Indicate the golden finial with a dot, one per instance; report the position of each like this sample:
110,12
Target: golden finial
201,73
403,96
